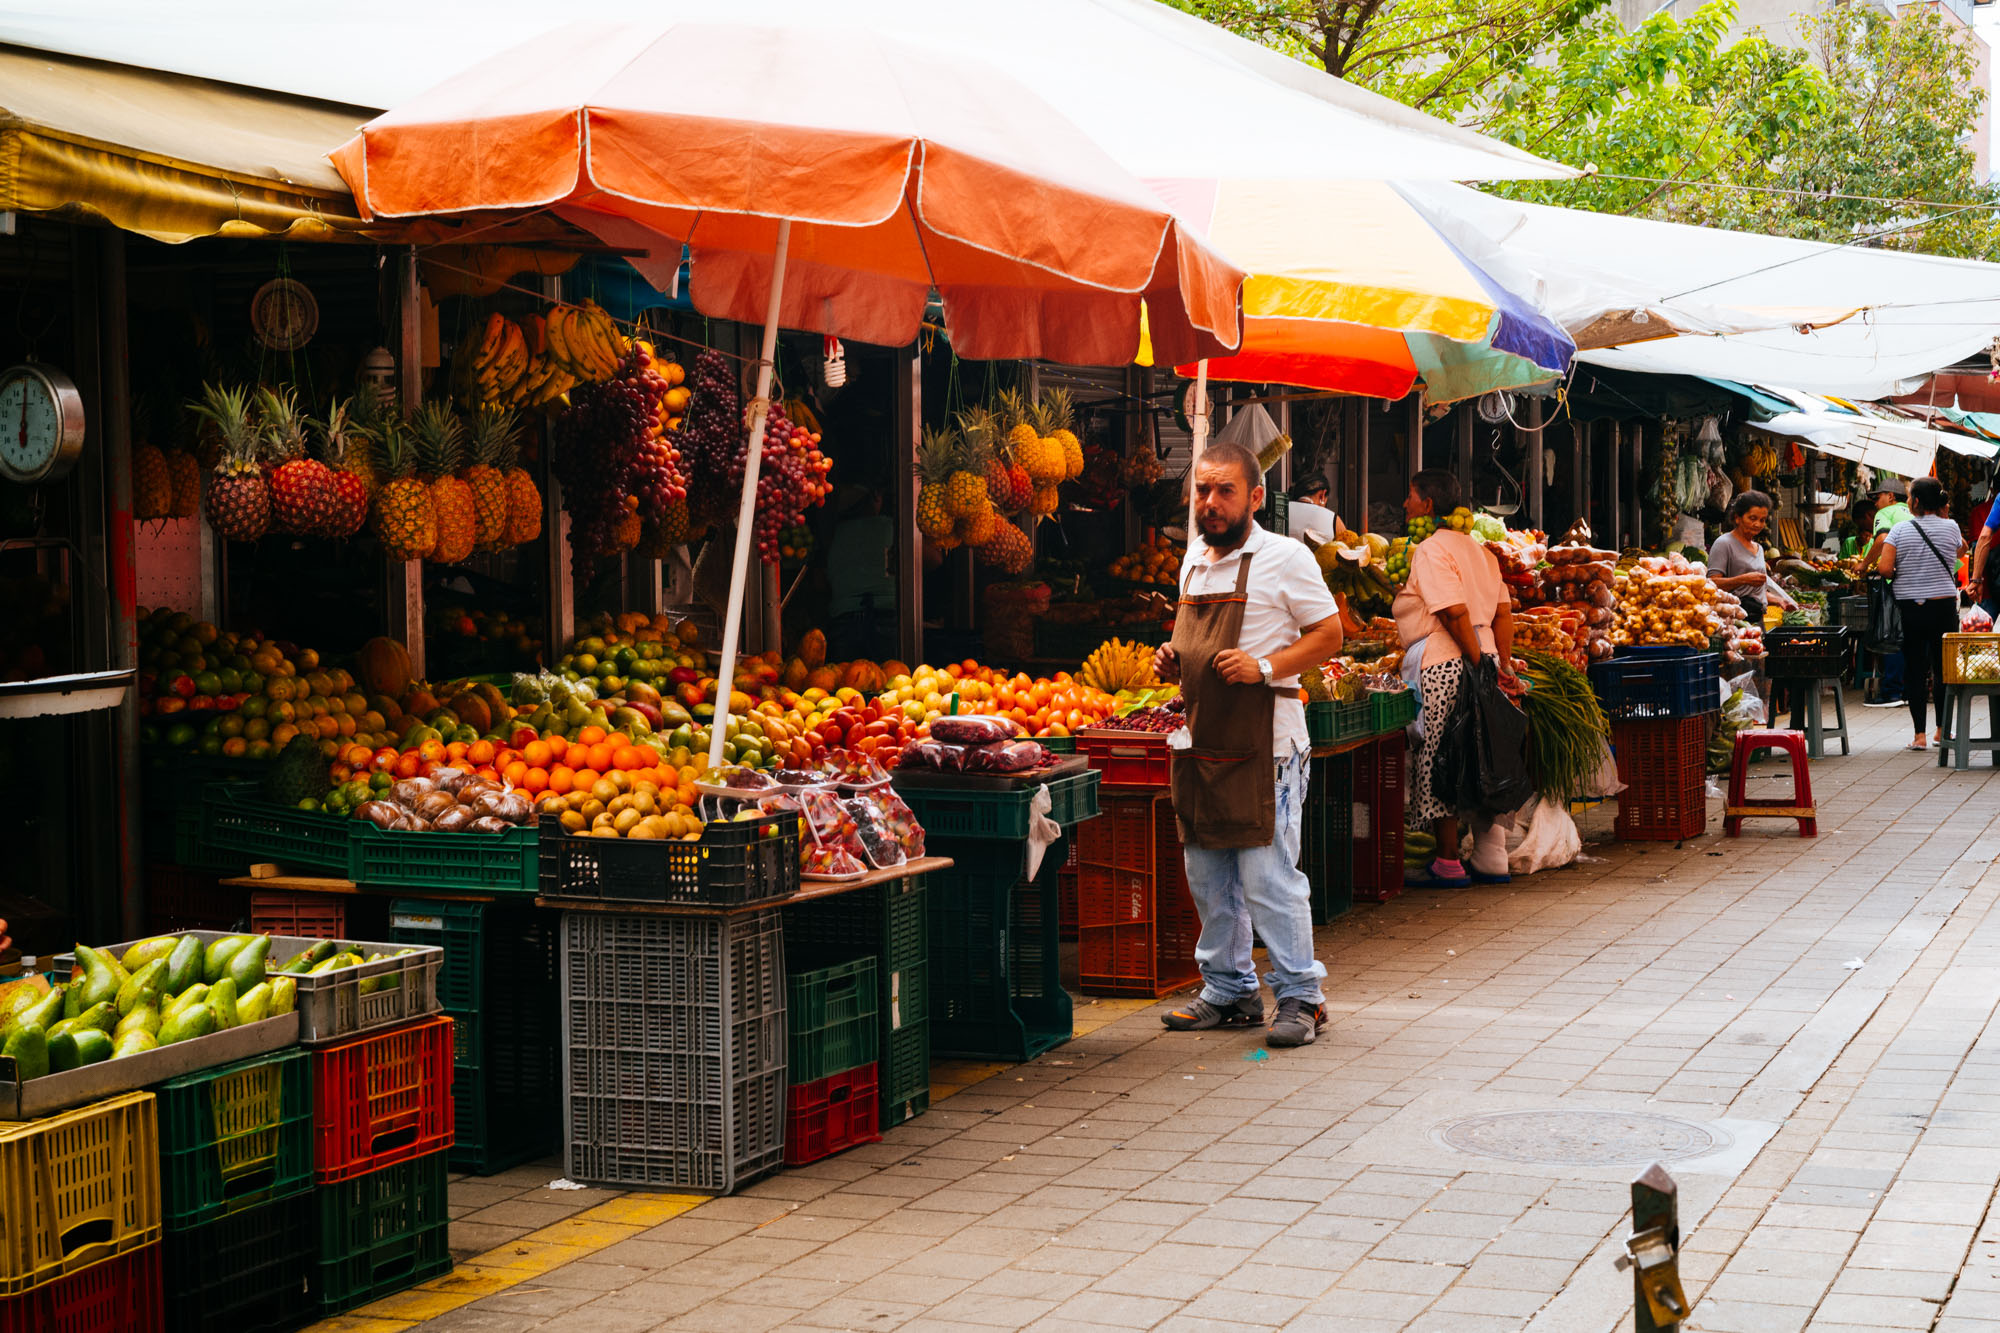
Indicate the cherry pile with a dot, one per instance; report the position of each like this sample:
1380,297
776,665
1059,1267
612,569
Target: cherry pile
614,456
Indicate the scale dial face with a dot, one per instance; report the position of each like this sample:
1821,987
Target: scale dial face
41,424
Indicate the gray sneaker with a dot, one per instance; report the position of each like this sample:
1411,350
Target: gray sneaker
1198,1015
1297,1023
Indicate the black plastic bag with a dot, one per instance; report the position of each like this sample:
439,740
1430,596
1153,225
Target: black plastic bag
1481,766
1885,619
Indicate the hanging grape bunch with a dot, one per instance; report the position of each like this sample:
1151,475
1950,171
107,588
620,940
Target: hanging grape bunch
711,439
616,461
791,478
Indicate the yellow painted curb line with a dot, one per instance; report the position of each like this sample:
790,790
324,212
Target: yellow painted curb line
517,1261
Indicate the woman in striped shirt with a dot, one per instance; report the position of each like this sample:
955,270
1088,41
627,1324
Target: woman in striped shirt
1920,557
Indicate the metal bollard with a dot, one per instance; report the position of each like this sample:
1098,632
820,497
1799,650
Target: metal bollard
1652,1252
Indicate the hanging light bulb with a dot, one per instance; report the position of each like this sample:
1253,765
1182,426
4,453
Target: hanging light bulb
833,371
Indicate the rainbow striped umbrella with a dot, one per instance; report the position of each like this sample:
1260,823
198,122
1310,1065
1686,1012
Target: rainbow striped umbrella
1352,289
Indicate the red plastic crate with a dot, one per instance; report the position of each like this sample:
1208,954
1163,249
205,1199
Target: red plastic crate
121,1295
1127,758
1381,787
1121,836
312,916
832,1114
381,1098
1664,766
1136,929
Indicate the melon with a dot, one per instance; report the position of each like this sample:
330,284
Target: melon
383,667
812,649
865,676
823,678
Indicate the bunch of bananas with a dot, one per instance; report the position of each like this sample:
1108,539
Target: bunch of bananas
585,341
1760,460
1117,665
509,365
1357,574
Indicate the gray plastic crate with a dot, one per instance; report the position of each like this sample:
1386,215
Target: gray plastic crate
674,1050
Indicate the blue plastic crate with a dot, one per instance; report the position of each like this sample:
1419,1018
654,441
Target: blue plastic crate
1648,684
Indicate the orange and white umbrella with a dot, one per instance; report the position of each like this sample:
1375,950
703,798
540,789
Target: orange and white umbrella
825,177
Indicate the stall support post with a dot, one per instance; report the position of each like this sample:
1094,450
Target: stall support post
403,599
1284,428
1461,415
122,573
1579,477
909,408
1199,436
739,571
1614,490
1413,457
1360,446
1636,468
559,590
1535,465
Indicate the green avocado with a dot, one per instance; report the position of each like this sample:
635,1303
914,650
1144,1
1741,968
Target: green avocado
28,1047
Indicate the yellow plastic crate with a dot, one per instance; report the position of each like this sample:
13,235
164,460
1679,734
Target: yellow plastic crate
1972,659
77,1188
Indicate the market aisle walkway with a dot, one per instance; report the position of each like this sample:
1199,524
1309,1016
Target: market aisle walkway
1802,1025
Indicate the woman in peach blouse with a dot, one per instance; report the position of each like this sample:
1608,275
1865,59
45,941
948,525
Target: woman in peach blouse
1454,608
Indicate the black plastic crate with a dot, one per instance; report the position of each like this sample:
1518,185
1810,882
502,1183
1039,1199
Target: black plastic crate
734,864
1326,835
249,1272
1657,683
995,960
674,1048
1807,652
382,1232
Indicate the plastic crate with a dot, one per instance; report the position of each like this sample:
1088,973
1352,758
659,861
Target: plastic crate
506,862
190,846
382,1232
975,814
1274,515
77,1189
180,898
120,1295
381,1098
832,1013
1136,929
995,959
236,818
1058,744
1321,718
248,1272
1326,835
1390,710
1852,612
235,1137
731,866
1655,683
674,1048
1664,766
832,1114
311,915
1971,659
1127,758
1123,836
1381,789
333,1006
1812,652
501,984
905,1088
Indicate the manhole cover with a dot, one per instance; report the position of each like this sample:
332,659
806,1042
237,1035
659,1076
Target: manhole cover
1581,1138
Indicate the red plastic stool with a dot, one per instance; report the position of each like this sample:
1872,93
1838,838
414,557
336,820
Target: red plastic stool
1799,806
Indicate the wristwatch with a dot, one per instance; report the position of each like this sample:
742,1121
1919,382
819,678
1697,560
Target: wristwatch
1264,668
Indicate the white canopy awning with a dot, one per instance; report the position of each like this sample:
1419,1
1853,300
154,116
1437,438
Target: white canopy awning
1848,320
1905,448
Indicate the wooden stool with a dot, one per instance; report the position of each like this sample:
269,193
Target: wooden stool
1955,721
1800,806
1807,717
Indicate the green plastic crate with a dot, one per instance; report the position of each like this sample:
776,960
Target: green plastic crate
832,1013
905,1082
1391,710
236,818
1058,744
235,1137
1322,720
995,955
1000,814
249,1271
1326,836
508,862
382,1233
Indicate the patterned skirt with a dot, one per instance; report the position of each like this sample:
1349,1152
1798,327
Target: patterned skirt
1440,694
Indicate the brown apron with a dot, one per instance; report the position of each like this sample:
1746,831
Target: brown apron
1225,789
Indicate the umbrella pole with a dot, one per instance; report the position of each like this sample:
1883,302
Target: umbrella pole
1198,434
746,510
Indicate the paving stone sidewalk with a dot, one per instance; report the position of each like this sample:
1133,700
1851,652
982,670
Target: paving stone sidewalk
1804,1026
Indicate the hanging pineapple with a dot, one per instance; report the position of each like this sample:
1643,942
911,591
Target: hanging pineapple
439,437
1008,550
184,473
152,485
343,447
491,442
1056,421
935,457
965,494
979,425
524,498
302,497
1040,458
239,501
405,517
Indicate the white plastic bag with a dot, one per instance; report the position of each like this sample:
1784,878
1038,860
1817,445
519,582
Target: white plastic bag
1544,837
1042,831
1748,710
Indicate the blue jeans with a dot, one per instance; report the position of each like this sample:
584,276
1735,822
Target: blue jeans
1237,888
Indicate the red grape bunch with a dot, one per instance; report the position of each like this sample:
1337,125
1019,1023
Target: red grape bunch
791,478
615,459
711,437
1169,716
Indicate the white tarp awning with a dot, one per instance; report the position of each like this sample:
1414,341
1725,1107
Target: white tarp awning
1846,320
1903,447
1165,94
